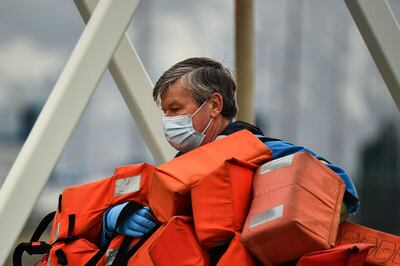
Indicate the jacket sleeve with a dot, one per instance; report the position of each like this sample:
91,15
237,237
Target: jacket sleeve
283,148
106,235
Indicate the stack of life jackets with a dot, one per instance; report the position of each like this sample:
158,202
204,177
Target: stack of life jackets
212,185
202,201
167,189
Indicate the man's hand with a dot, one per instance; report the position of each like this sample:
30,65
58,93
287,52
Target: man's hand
137,224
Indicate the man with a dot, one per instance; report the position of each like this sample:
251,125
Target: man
198,98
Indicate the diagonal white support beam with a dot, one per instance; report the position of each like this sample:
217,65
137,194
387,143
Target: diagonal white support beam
136,89
381,33
59,117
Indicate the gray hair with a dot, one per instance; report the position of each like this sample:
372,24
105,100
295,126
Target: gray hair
203,77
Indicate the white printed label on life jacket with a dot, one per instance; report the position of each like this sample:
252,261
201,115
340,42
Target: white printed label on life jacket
127,185
276,164
266,216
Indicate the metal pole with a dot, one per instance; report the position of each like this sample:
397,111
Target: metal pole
381,33
245,59
136,88
59,117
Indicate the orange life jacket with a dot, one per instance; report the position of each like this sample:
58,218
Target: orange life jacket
84,205
345,255
295,209
77,223
172,181
174,243
221,201
386,250
177,245
142,256
236,254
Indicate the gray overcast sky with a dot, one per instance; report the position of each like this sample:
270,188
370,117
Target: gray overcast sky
37,37
52,23
341,94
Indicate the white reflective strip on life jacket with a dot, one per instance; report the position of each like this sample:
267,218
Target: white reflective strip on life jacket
57,228
110,256
127,185
266,216
275,164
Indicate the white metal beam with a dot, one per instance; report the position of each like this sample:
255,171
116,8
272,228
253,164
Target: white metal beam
136,88
59,117
381,33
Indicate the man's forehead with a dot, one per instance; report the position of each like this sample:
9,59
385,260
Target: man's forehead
176,93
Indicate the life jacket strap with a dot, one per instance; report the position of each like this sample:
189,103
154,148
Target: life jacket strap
61,257
59,203
71,224
129,208
265,139
122,259
37,247
42,226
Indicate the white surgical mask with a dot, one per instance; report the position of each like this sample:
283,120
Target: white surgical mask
180,132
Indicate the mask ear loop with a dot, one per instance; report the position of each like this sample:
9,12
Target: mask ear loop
201,106
209,122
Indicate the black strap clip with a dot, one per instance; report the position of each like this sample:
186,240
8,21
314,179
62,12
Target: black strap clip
36,247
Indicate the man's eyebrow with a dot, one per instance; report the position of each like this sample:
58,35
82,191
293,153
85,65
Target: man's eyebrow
173,102
168,105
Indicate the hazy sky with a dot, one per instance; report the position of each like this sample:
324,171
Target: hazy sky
340,104
37,37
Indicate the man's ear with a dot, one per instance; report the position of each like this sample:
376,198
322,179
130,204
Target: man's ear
217,102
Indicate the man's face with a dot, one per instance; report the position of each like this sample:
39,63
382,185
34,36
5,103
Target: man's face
177,100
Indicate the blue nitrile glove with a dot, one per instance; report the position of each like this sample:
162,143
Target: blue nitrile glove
137,224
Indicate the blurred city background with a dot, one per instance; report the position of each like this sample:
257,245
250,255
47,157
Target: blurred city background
316,85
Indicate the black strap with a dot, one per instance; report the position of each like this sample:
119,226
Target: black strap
136,247
129,208
59,202
66,240
42,226
34,246
70,234
120,256
61,257
99,254
71,224
38,247
265,139
239,125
